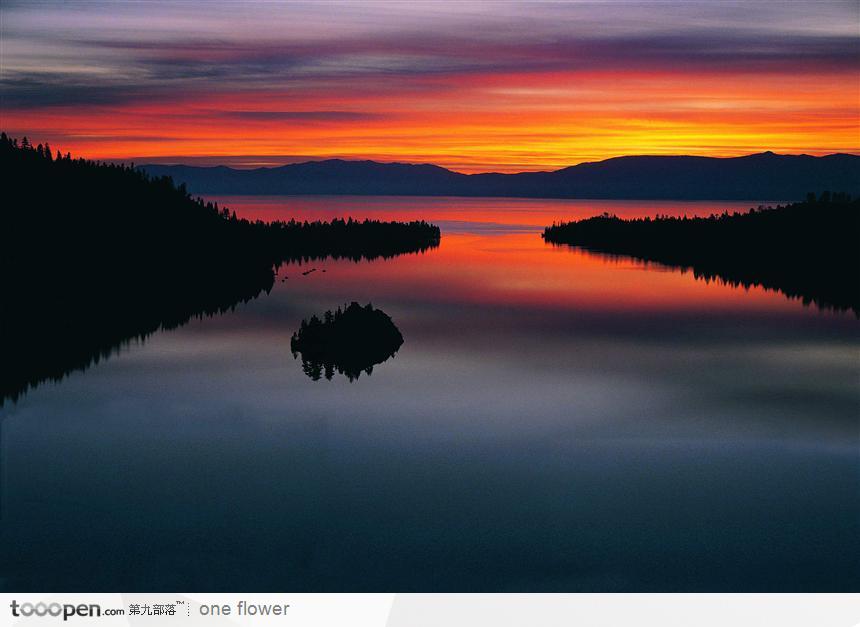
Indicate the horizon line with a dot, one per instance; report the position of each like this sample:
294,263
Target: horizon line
262,162
270,162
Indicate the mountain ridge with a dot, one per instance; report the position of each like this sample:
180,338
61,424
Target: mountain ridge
684,177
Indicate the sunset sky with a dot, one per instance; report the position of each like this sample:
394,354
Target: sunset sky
473,86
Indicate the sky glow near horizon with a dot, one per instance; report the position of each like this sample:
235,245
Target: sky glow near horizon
473,86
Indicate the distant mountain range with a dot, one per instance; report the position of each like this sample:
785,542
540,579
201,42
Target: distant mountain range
760,176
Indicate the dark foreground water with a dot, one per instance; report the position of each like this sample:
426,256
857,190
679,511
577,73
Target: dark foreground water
554,420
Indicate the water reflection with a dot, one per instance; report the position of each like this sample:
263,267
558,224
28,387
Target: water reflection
52,332
45,342
560,421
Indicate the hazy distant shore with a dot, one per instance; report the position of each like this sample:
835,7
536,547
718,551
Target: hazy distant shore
763,176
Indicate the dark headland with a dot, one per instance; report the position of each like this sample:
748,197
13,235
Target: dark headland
807,250
95,255
764,176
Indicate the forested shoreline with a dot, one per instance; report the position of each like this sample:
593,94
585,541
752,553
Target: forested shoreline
95,255
806,250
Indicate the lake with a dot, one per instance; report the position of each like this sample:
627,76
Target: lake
555,420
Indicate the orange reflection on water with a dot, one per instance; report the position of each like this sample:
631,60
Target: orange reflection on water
520,270
492,253
534,212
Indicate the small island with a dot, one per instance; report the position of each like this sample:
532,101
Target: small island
96,255
806,250
350,341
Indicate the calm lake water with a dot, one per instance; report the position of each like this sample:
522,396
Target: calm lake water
555,420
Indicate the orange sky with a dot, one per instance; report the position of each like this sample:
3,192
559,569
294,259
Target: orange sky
467,91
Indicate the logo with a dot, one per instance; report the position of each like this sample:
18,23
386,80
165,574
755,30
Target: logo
65,610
